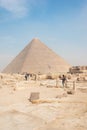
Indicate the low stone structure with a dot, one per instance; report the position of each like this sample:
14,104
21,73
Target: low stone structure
78,69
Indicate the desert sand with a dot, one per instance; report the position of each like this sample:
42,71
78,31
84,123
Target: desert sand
55,109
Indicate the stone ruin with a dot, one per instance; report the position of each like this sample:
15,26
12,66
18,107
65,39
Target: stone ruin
78,69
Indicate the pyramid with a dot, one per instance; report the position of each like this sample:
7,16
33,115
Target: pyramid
37,57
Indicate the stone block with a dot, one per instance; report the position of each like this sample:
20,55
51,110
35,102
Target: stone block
34,96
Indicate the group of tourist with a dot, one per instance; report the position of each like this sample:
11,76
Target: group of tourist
63,78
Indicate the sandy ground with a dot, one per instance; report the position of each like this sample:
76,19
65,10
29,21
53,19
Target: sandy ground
55,110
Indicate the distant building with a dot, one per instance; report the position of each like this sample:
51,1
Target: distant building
78,69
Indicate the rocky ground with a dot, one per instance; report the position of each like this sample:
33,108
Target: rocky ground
56,108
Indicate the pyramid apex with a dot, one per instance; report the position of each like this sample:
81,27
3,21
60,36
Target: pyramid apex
35,39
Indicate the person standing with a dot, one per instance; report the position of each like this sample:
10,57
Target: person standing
26,76
63,80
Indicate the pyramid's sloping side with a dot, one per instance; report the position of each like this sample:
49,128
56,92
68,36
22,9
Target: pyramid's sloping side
16,65
37,57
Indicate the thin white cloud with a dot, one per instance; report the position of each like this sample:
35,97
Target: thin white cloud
16,7
20,8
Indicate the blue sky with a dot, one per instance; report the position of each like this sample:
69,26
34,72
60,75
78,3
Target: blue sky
60,24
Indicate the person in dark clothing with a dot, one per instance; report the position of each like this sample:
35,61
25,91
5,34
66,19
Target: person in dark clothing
63,80
26,76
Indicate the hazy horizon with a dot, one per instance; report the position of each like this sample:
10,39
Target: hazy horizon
61,25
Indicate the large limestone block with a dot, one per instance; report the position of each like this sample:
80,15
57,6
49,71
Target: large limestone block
34,96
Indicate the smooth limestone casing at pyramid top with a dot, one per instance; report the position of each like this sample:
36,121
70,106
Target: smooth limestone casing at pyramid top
37,57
